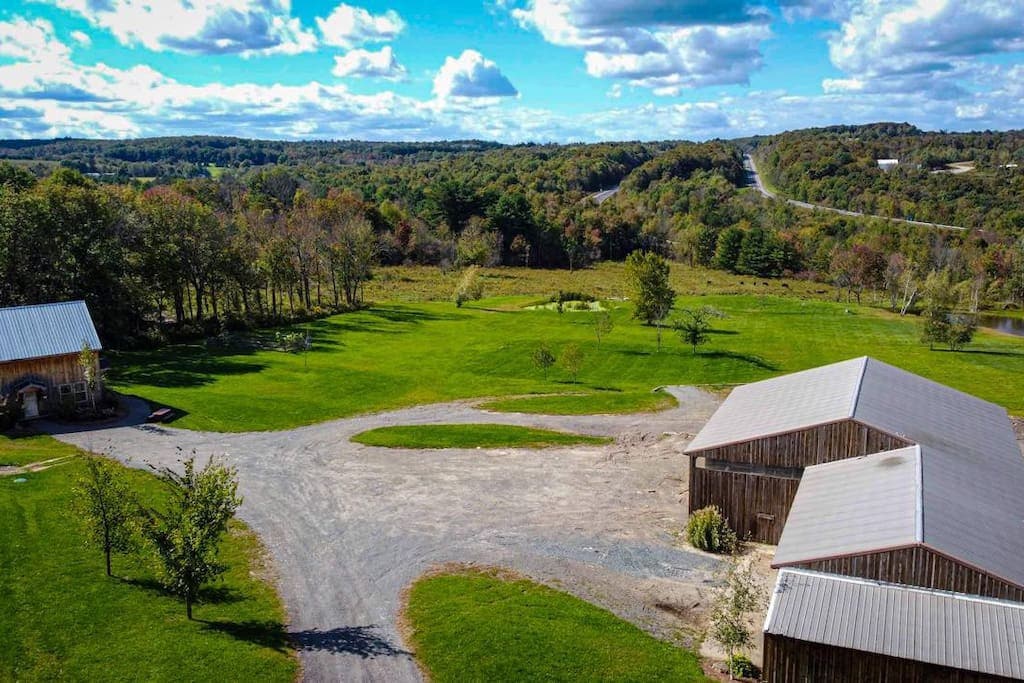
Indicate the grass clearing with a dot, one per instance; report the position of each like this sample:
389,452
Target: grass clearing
471,436
63,619
591,403
401,354
486,626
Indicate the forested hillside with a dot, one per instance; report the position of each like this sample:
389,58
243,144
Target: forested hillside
283,231
837,167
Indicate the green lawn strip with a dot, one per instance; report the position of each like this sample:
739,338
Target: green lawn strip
470,436
64,619
485,626
23,450
393,356
592,403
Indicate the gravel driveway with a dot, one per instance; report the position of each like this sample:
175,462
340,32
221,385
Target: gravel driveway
349,526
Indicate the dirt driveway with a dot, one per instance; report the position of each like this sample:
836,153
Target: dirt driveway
349,526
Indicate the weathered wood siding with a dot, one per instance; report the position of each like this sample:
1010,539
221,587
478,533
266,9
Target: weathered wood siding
757,502
51,371
922,567
787,660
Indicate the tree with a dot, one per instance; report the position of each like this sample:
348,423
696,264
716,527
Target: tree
941,325
647,277
543,359
743,593
572,360
87,361
727,249
470,288
187,535
106,505
602,325
694,325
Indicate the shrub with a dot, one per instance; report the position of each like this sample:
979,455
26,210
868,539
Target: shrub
709,530
470,287
740,666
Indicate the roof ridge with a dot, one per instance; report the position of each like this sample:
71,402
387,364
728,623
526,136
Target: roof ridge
860,383
919,482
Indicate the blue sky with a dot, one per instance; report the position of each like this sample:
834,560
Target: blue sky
508,70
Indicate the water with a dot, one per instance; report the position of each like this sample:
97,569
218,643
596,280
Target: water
1002,323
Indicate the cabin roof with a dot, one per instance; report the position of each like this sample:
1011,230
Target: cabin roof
871,392
915,496
937,627
42,330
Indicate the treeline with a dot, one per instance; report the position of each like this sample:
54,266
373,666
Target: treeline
838,167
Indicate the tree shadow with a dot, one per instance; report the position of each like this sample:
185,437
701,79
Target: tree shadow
982,352
208,595
269,634
362,641
748,358
724,332
180,367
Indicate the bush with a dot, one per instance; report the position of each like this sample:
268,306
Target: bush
740,666
709,530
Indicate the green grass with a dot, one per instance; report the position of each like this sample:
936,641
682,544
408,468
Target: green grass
63,619
470,436
589,403
397,355
480,626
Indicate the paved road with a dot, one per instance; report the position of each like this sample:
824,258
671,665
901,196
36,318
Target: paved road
754,179
600,197
349,526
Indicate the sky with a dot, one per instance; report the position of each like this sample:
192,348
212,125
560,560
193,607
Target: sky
506,70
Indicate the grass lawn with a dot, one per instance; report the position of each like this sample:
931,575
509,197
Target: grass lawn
482,626
63,619
394,355
589,403
470,436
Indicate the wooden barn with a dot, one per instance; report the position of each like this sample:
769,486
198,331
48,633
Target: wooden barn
41,367
825,627
749,458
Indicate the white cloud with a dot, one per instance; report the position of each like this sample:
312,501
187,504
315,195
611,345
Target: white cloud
471,75
666,45
82,38
246,27
34,40
367,64
349,26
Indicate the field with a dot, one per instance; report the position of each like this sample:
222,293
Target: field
399,354
483,626
470,436
63,619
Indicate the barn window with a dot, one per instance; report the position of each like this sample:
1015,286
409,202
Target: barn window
75,391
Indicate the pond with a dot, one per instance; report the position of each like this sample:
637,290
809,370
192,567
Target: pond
1002,323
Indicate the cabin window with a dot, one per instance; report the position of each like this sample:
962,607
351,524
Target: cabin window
714,464
75,391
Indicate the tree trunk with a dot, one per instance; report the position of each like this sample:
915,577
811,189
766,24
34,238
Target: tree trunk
188,606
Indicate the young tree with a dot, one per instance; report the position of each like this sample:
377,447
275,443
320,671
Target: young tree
543,359
602,325
187,535
470,288
106,505
743,593
87,361
572,360
647,278
694,325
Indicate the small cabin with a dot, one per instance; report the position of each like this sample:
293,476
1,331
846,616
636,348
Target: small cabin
49,358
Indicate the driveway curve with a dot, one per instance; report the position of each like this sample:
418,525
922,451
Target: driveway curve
349,526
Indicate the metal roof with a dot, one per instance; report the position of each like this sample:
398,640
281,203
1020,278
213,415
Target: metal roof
45,330
873,393
911,496
936,627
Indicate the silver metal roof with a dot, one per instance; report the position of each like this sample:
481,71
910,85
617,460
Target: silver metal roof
936,627
873,393
971,511
45,330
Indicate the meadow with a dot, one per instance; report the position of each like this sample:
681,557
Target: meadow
64,619
418,349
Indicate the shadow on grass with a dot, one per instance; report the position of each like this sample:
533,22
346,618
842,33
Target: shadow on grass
181,367
748,358
983,352
209,595
361,641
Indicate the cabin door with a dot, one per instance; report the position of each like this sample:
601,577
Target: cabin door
30,403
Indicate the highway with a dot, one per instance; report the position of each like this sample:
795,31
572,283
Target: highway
754,180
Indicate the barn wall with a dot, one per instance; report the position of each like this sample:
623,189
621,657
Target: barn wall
754,482
920,567
787,660
51,371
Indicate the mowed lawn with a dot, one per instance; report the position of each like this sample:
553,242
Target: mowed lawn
403,354
483,626
471,436
64,619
